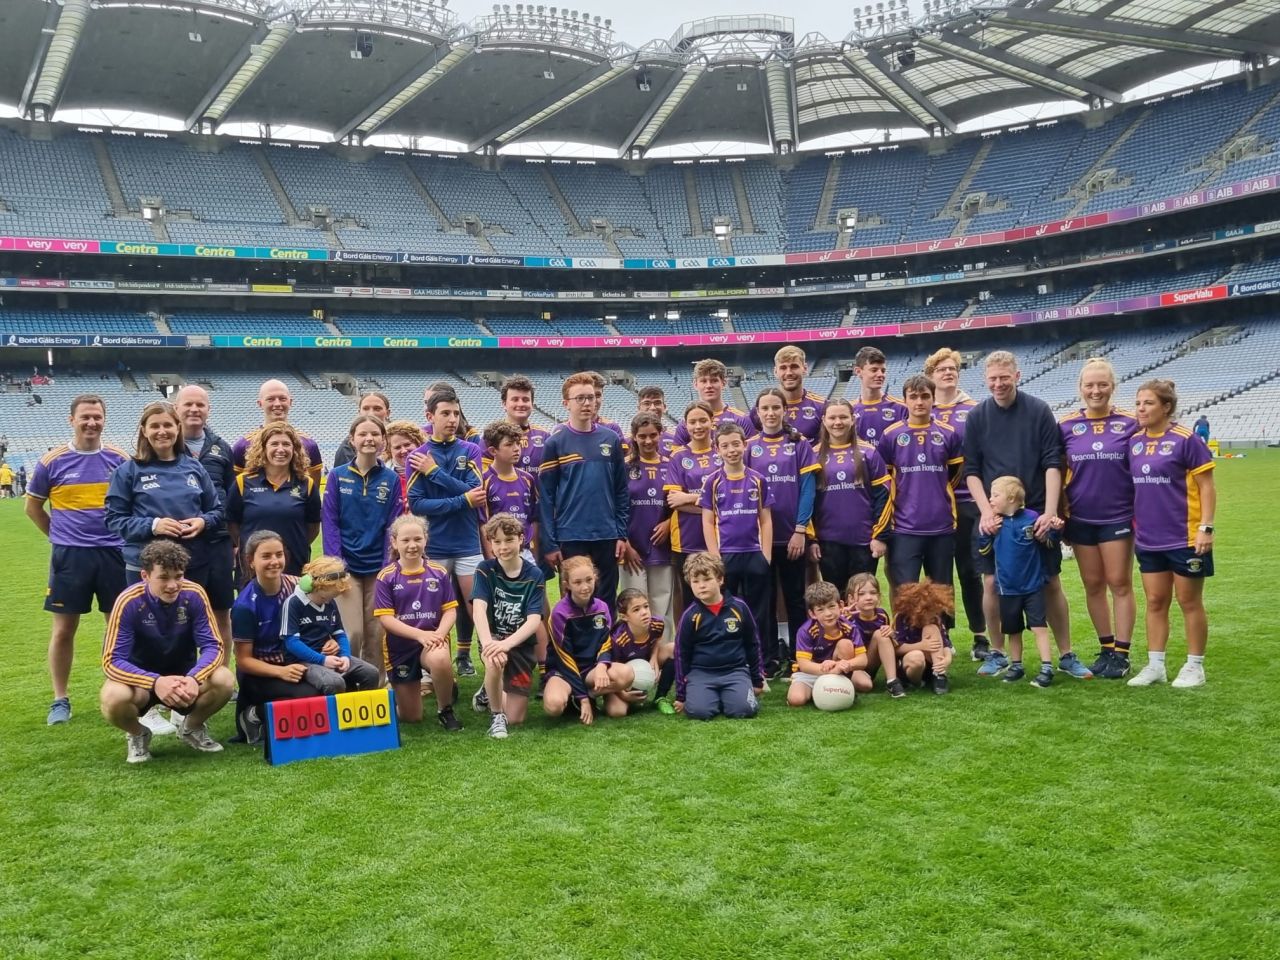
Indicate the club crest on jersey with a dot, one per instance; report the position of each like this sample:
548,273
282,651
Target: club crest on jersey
296,493
598,622
936,438
215,451
1166,448
904,440
888,413
606,449
1136,449
809,413
536,439
463,463
1080,429
403,671
753,494
383,493
789,448
635,473
192,481
432,584
1118,426
961,416
731,625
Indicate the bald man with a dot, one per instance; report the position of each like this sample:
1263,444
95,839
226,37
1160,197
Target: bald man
214,454
276,401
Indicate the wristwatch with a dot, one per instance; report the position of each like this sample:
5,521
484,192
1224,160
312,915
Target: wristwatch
1206,528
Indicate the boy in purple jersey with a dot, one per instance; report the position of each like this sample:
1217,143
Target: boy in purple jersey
1099,501
507,488
874,409
582,665
710,377
517,402
161,647
827,643
786,460
925,458
639,635
737,524
66,500
951,406
1174,500
415,603
646,567
717,652
654,400
921,610
862,609
853,501
687,472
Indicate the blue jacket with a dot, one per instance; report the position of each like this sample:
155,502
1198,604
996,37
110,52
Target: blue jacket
357,510
718,643
1019,564
440,494
215,457
139,493
584,494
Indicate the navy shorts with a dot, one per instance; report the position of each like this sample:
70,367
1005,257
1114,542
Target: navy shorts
78,574
1081,533
407,672
1184,562
1050,559
1021,611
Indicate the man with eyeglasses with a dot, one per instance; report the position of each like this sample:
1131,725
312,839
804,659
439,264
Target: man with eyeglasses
584,499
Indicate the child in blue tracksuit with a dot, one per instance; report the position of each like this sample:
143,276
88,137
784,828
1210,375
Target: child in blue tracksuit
360,501
311,630
717,654
1020,578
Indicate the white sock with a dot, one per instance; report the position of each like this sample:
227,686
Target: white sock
1156,656
1194,660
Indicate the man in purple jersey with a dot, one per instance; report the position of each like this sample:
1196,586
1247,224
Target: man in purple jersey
86,561
275,401
517,403
874,410
804,409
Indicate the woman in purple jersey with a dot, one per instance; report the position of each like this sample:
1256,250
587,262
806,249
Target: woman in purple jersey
1174,500
1099,497
689,466
785,459
647,564
854,498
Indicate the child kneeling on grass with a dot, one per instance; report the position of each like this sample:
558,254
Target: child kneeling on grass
1020,578
638,636
826,644
161,647
313,634
870,620
920,633
414,601
717,653
506,605
581,664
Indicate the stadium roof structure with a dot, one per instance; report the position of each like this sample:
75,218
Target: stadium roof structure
525,72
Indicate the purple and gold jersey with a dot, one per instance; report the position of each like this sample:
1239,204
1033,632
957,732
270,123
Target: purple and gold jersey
1098,486
516,494
727,415
75,484
870,420
688,471
535,438
311,448
955,415
419,599
814,644
903,632
1166,499
866,629
784,463
646,483
925,463
626,646
843,510
804,414
736,503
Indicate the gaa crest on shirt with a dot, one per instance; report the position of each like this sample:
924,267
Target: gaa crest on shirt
1081,428
634,473
904,440
598,622
731,625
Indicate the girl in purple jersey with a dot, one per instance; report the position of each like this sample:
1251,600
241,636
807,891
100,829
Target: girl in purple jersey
921,610
862,609
853,498
415,604
1099,497
689,466
639,635
646,567
1174,501
786,460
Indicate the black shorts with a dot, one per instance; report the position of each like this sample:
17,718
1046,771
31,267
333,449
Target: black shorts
1021,611
407,672
1184,562
517,675
1050,559
78,574
1081,533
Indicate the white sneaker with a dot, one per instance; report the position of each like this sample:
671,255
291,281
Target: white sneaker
197,738
139,747
154,721
498,726
1191,675
1152,673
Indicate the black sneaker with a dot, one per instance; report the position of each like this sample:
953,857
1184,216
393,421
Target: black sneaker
480,701
462,664
895,689
1043,679
1117,667
1015,673
448,720
1099,667
940,684
781,672
981,648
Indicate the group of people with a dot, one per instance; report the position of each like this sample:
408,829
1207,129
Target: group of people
738,547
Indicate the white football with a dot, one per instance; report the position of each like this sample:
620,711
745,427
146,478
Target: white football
833,691
645,677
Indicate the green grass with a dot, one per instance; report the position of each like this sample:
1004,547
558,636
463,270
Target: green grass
1089,820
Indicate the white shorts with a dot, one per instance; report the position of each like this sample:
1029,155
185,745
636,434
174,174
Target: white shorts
808,679
528,555
461,566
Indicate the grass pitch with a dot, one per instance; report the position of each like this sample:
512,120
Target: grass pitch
1089,820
